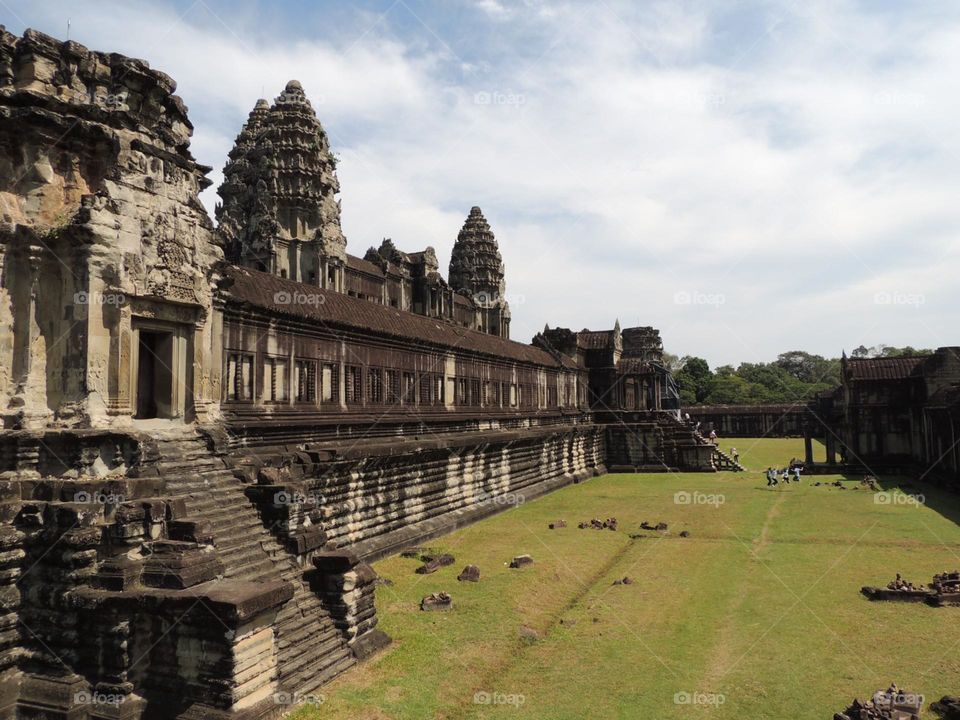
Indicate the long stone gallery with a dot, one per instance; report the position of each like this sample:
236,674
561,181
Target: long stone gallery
210,430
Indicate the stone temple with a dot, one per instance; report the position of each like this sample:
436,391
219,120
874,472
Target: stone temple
209,431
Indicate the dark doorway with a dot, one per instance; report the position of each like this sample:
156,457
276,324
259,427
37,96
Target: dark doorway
155,375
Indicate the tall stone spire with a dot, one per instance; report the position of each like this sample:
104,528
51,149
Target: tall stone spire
238,181
280,211
476,270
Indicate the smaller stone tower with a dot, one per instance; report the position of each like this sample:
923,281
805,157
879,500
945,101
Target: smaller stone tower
476,270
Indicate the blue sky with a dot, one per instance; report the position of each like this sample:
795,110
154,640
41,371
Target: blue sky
750,177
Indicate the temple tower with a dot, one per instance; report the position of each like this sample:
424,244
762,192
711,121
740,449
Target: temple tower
279,211
476,270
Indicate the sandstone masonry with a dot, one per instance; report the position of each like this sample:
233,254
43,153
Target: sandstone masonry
208,433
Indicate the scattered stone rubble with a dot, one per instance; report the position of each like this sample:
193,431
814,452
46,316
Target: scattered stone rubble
944,590
946,585
900,584
471,573
948,707
432,563
595,524
437,601
890,704
521,561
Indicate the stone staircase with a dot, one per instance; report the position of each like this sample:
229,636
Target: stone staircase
311,649
722,461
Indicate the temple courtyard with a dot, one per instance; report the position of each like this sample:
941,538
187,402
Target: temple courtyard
757,613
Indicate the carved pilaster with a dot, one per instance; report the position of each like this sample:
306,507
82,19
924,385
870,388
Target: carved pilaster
28,404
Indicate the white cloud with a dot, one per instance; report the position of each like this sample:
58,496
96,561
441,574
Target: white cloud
797,164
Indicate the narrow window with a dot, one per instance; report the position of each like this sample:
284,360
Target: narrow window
275,388
240,376
426,385
305,380
375,384
330,383
393,387
354,385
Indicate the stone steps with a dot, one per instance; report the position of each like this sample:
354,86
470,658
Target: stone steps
722,461
311,649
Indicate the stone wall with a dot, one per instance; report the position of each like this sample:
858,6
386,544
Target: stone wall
376,496
169,577
655,446
100,224
751,420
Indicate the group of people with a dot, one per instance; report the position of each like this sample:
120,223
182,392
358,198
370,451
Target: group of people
775,477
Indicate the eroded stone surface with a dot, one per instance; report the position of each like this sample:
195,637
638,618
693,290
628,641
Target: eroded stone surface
437,601
471,573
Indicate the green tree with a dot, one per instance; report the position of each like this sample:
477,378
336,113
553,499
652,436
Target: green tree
694,380
729,390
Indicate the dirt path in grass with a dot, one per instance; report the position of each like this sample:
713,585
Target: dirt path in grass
762,541
488,676
722,658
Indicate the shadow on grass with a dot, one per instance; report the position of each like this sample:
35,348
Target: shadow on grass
937,498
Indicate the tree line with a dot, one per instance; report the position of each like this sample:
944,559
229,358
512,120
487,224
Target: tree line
794,376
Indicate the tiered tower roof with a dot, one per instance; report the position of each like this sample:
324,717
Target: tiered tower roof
280,180
476,266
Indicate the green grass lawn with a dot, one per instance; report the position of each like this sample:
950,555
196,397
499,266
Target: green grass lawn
757,614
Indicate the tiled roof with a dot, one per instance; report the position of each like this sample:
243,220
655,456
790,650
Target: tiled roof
361,265
340,311
899,368
634,365
595,340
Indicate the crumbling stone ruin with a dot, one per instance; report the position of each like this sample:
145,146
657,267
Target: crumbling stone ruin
944,590
208,433
471,573
432,563
437,601
890,704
